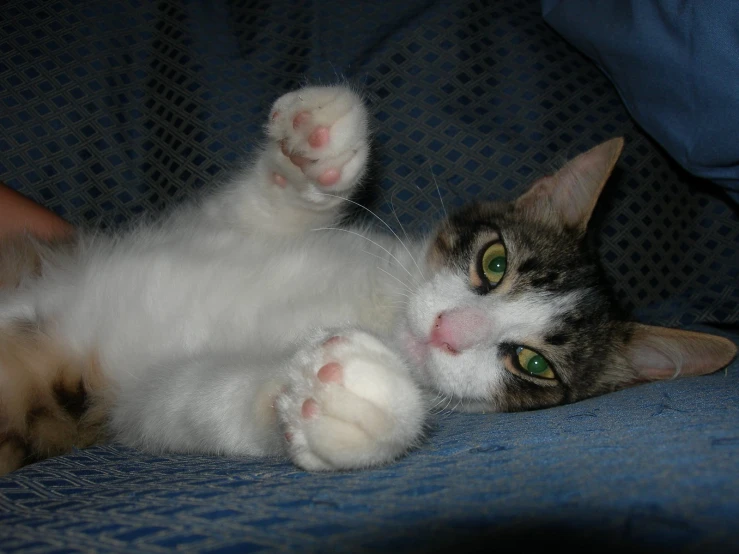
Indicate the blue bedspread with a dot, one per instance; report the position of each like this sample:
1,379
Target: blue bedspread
108,109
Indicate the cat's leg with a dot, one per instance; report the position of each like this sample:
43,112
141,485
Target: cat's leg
315,157
350,403
341,402
215,403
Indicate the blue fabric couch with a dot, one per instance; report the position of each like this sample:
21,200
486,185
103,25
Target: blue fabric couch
109,109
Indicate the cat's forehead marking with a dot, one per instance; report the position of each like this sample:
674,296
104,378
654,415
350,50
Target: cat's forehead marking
538,256
442,247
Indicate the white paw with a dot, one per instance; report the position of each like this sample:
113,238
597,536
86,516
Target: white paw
320,141
350,404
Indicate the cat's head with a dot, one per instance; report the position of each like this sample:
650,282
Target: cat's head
514,314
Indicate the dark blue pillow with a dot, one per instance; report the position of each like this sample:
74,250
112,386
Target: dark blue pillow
676,67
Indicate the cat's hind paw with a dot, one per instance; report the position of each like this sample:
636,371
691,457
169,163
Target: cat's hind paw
319,141
350,404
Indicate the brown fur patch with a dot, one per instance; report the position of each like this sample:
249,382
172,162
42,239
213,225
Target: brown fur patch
22,255
19,257
441,248
50,399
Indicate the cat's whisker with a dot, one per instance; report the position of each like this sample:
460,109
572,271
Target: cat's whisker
441,412
336,73
397,302
398,292
403,244
441,398
404,285
446,406
457,405
432,403
383,259
436,410
395,215
370,240
438,192
390,306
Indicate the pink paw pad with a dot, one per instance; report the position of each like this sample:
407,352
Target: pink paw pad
330,373
319,137
300,119
279,180
309,409
329,177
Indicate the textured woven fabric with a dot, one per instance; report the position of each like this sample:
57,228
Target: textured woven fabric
109,109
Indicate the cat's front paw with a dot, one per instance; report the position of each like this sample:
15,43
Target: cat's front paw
320,143
350,404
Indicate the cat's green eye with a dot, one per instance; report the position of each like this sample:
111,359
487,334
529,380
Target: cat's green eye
534,363
494,263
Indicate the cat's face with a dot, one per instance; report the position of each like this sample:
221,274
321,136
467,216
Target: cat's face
514,314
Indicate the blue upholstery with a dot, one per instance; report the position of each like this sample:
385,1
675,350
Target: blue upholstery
675,66
111,108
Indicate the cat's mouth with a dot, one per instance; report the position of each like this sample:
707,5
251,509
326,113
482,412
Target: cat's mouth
440,344
419,350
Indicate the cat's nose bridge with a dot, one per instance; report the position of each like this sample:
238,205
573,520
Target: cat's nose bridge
460,329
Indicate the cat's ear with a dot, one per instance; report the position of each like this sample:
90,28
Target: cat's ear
658,353
569,196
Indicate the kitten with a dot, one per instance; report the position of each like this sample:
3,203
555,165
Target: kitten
250,323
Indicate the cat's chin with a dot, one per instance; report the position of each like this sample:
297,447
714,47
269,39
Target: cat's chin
420,353
427,361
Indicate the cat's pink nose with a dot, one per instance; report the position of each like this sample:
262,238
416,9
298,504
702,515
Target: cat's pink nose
457,330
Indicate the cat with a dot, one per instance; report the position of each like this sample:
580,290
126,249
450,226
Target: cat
253,322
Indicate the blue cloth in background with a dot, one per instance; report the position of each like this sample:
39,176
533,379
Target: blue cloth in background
675,65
